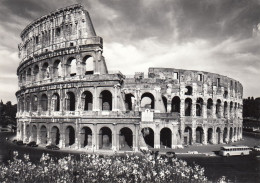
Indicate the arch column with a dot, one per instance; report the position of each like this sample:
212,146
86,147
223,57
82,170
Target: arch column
227,138
95,100
62,138
156,99
169,106
227,112
97,61
221,135
115,136
232,112
38,135
157,144
30,136
214,140
94,138
204,110
48,135
174,137
79,68
24,132
114,99
182,108
135,138
221,107
193,138
214,109
193,108
205,136
49,104
63,67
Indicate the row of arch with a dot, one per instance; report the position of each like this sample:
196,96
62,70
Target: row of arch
126,137
147,101
221,109
226,135
41,136
57,69
32,103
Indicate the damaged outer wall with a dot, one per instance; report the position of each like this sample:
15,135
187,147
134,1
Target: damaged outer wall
49,46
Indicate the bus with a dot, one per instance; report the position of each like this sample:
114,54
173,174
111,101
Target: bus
234,150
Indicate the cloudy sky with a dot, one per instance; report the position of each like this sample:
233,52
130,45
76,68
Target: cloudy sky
217,36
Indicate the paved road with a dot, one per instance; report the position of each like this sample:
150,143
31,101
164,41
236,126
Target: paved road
248,141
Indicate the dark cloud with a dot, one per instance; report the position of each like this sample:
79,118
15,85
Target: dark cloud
214,35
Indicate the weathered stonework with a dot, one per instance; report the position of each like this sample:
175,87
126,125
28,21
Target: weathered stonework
67,96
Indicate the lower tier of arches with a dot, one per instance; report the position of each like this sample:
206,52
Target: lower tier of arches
124,136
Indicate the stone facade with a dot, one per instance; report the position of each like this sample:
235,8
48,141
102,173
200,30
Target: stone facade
68,97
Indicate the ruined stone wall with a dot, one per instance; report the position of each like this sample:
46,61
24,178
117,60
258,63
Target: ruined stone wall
67,96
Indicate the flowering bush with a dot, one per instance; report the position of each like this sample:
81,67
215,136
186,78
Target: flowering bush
96,168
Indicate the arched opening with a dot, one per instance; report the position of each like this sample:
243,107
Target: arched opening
210,136
22,104
235,132
188,107
231,109
209,107
199,107
34,103
199,135
235,109
24,77
105,138
188,90
71,68
29,75
27,104
166,138
225,110
164,102
87,101
45,71
21,130
55,102
126,139
147,101
225,95
176,102
218,135
187,136
231,134
34,133
36,72
44,102
218,108
55,135
225,137
69,136
88,63
129,101
86,137
27,133
70,101
148,135
106,100
43,135
57,69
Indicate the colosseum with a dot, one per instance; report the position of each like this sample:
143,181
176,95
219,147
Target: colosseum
69,98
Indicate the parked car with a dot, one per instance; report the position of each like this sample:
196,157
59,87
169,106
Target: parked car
52,147
256,148
14,141
164,153
20,142
32,144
